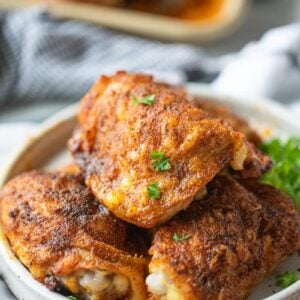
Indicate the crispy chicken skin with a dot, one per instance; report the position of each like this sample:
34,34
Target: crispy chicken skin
69,241
224,113
233,240
115,140
257,162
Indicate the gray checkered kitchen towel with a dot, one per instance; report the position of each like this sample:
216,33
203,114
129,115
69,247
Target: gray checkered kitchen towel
46,59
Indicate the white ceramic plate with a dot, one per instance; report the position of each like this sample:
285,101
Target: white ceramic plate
47,149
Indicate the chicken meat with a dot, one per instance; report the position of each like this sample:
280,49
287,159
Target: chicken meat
221,248
69,241
146,151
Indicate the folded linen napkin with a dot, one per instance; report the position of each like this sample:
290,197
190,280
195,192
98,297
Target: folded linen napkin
268,68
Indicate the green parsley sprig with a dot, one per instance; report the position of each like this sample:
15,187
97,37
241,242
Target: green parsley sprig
147,100
72,298
159,162
285,174
286,279
153,191
178,238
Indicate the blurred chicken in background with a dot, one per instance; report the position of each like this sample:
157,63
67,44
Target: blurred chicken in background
187,9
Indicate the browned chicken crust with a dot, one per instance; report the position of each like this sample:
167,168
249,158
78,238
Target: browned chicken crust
64,236
116,138
257,162
234,239
223,112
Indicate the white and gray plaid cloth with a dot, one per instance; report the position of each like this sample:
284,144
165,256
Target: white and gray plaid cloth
43,59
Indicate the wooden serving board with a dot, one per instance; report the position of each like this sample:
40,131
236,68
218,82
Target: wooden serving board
146,24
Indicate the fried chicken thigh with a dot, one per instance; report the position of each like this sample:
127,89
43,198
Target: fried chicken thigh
224,246
69,241
127,118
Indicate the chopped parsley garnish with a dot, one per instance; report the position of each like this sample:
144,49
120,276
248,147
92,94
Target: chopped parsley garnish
153,191
286,279
159,161
147,100
72,297
178,238
285,174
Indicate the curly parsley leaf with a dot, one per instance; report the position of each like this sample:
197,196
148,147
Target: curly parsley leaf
72,298
285,174
159,162
153,191
147,100
286,279
178,238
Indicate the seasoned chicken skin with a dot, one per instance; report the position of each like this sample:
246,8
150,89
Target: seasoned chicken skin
223,246
224,113
257,162
118,135
69,241
101,2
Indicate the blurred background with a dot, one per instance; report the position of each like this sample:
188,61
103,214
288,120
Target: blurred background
51,52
